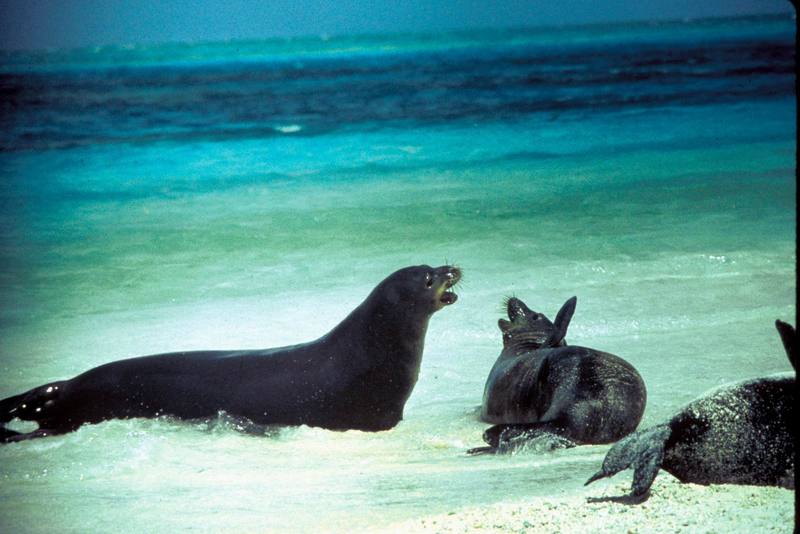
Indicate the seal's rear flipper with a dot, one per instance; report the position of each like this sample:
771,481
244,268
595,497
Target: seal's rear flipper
789,338
9,407
644,451
33,405
8,435
14,437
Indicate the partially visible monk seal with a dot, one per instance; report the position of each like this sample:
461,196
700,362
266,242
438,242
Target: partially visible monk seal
742,433
541,386
357,376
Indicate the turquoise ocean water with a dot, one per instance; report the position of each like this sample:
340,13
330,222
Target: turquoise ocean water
250,194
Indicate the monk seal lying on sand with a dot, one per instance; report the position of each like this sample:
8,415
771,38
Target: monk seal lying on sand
541,386
738,434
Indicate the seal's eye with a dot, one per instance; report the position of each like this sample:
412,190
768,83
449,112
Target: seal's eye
428,280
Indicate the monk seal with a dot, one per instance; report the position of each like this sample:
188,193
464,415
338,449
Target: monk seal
742,433
357,376
540,386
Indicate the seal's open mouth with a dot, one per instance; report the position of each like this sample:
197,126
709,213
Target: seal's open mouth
451,277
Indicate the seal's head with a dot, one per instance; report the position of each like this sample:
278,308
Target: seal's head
530,330
421,289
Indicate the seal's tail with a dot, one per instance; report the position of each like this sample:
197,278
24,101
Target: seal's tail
643,450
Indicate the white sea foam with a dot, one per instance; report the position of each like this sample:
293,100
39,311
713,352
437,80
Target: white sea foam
289,128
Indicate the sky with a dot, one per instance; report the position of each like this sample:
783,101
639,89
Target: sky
37,24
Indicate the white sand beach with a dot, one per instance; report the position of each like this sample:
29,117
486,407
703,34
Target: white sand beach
672,507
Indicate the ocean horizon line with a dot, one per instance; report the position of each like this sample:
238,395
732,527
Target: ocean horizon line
273,49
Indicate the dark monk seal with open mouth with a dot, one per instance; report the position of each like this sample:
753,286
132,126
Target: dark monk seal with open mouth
357,376
540,387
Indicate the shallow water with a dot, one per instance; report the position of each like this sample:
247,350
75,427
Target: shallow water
250,195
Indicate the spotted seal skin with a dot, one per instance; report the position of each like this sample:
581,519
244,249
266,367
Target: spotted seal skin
540,387
741,433
357,376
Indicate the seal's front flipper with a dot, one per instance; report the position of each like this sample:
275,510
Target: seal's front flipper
541,440
646,467
503,439
477,451
561,323
492,437
643,450
498,438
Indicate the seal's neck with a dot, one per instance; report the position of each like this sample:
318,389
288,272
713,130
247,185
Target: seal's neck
385,331
522,343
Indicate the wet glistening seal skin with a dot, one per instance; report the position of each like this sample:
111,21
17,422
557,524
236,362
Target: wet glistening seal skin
540,387
357,376
742,433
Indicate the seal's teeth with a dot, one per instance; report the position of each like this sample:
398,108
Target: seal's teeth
448,297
